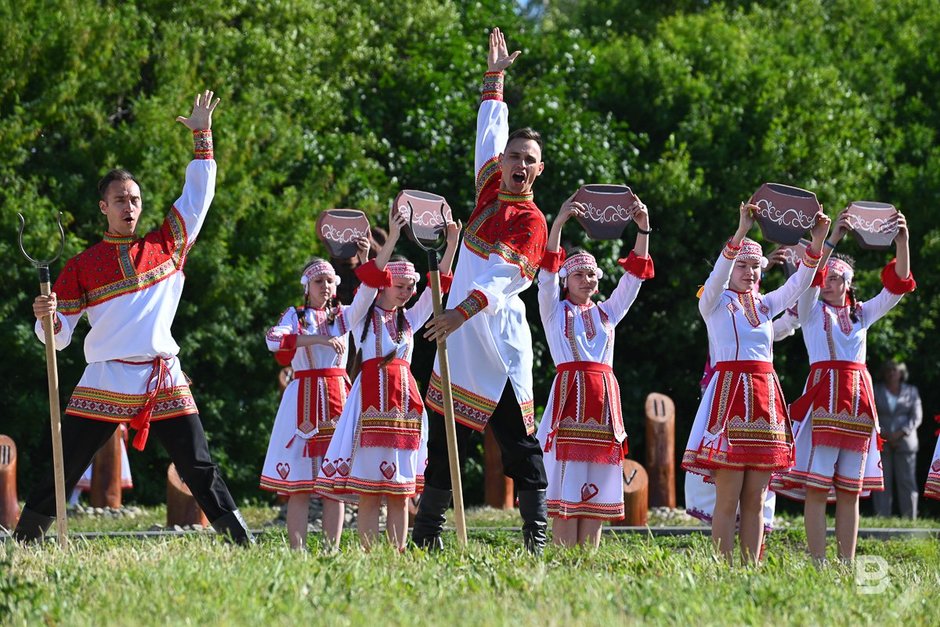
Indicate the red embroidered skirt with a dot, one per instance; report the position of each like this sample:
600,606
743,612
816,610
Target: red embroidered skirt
841,403
321,396
391,405
587,423
746,426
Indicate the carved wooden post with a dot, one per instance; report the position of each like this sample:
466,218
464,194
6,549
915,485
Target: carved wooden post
181,507
635,494
9,508
106,474
661,449
497,487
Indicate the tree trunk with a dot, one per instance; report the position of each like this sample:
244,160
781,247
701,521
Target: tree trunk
635,494
106,474
661,449
181,507
9,508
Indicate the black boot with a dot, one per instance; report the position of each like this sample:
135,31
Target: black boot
32,526
534,511
429,521
234,528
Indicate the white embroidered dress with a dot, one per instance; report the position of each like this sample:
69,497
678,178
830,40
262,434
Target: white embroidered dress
310,406
356,463
584,333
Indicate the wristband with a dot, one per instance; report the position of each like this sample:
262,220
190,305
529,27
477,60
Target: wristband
642,232
829,244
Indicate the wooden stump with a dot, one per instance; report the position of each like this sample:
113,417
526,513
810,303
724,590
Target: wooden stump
497,487
106,474
661,449
635,494
181,507
9,508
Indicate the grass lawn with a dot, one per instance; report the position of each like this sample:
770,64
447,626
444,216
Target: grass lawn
196,579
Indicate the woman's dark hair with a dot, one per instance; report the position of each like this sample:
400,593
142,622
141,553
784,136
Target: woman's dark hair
850,290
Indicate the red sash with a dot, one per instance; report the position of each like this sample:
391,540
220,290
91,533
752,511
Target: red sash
160,377
841,402
321,396
587,423
391,405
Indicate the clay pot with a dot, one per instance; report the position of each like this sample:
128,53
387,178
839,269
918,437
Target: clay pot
340,228
608,208
873,224
427,214
785,213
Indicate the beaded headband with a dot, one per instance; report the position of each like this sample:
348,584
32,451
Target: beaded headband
580,261
841,268
316,269
403,270
752,251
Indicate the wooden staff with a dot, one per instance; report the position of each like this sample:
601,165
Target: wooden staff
428,245
449,423
52,374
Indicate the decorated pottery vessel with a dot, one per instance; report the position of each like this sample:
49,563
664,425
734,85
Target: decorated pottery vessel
785,213
607,209
427,215
873,223
340,228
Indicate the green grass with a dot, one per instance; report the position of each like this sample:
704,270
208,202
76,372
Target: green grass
196,579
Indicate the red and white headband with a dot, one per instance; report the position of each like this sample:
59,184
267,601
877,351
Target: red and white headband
316,269
751,251
403,270
840,268
581,261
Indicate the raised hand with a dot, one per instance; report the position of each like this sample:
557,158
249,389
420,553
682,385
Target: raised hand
745,221
363,244
640,214
819,231
201,117
453,233
499,58
840,227
903,233
570,209
397,220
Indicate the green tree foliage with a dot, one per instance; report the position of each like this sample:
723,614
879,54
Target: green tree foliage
694,104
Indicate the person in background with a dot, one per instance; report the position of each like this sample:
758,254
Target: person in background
900,414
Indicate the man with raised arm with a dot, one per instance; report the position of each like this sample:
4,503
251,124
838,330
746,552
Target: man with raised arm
486,328
130,287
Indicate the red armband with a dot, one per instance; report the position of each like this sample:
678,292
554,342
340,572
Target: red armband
552,260
640,267
370,274
895,284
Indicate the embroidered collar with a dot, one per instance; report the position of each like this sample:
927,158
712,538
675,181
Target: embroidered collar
114,238
507,197
580,307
